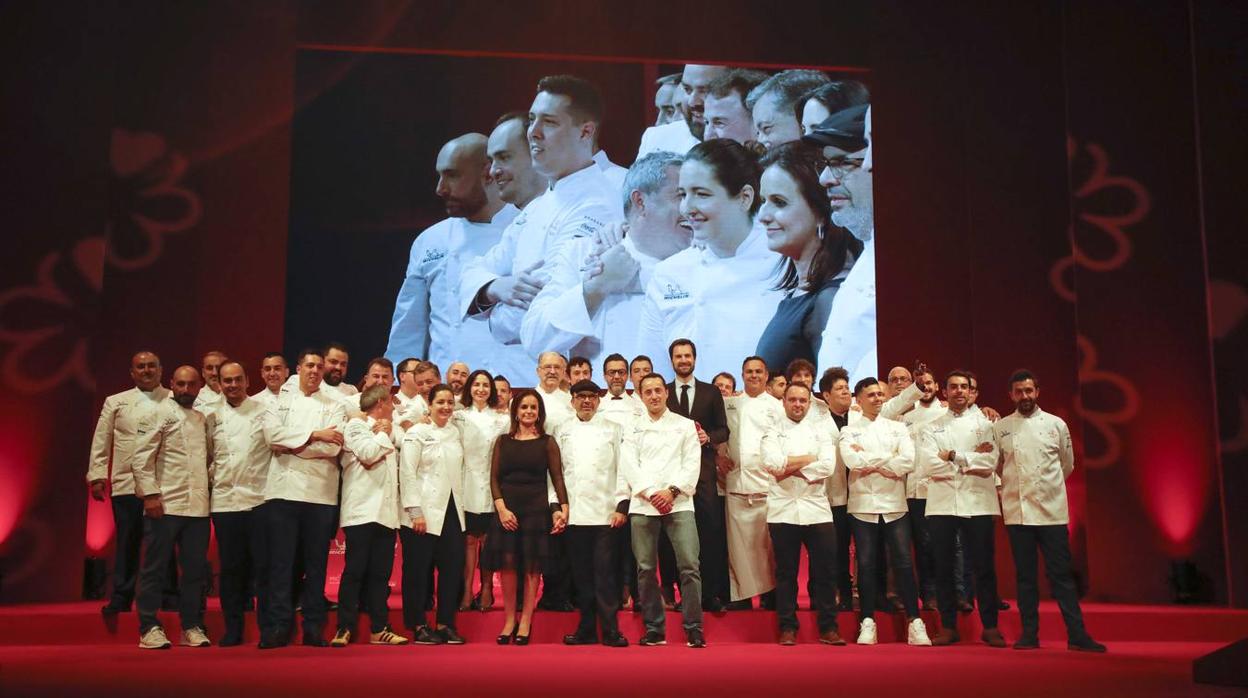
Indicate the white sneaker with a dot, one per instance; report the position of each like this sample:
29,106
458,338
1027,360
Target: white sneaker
866,632
154,639
916,634
195,637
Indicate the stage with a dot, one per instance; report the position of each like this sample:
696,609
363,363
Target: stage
69,649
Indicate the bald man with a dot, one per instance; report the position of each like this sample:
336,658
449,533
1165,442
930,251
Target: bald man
209,399
426,322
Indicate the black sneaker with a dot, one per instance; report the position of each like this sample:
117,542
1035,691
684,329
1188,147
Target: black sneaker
578,639
427,636
1085,644
271,641
616,640
449,636
694,638
1027,642
653,638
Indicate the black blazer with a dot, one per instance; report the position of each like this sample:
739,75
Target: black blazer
708,411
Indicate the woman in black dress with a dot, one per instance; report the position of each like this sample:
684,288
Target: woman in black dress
797,215
519,536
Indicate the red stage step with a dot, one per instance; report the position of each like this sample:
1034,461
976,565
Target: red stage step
80,623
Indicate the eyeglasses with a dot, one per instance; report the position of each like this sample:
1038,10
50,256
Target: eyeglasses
586,396
841,166
616,372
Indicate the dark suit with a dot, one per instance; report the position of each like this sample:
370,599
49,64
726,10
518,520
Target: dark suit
707,409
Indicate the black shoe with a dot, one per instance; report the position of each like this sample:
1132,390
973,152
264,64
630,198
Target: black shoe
272,641
713,605
506,639
314,640
426,636
113,608
522,639
231,640
1003,605
652,638
742,605
1027,642
1085,644
578,639
449,635
694,638
616,640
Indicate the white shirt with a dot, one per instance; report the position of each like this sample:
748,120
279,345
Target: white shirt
1037,458
239,462
431,473
410,409
171,459
697,295
966,486
370,476
479,429
915,420
590,453
558,403
612,171
888,454
749,418
207,400
850,334
622,411
673,137
899,405
578,205
266,397
838,483
114,440
558,319
426,321
801,498
312,474
656,454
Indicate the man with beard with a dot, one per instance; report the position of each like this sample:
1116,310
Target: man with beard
210,398
274,372
773,103
593,301
926,410
849,339
617,405
679,136
426,322
725,111
456,377
171,477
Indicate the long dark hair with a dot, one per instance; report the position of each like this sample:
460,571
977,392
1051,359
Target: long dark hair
465,398
519,397
802,162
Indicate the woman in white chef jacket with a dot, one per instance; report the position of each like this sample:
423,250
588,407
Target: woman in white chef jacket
479,424
431,487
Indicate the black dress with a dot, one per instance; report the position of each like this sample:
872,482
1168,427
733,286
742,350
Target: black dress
518,475
796,330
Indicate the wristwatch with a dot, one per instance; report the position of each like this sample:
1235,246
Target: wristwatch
674,490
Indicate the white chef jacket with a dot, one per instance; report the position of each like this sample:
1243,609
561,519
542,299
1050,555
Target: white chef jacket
673,137
964,487
426,321
622,411
748,419
850,334
656,454
610,170
915,420
801,498
207,400
886,445
239,461
838,483
716,302
411,409
578,205
590,453
431,473
897,406
266,397
1037,457
559,321
479,429
370,475
312,474
558,404
114,439
344,392
171,458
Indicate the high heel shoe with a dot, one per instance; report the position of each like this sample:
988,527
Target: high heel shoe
507,638
522,639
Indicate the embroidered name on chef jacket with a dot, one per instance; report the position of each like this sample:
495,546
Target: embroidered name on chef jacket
672,292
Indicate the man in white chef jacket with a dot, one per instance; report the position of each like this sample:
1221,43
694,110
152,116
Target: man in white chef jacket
589,446
238,467
660,462
618,405
750,415
274,372
305,432
210,398
1036,459
591,304
416,377
682,134
369,516
958,455
879,454
834,386
171,477
800,456
581,200
552,375
927,408
426,320
110,470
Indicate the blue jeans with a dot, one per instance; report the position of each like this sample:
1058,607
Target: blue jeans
683,532
896,536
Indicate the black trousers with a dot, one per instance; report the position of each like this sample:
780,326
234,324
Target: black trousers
708,513
844,529
1053,543
976,533
820,541
592,551
557,575
189,535
421,554
297,531
128,536
243,546
921,535
370,559
867,541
